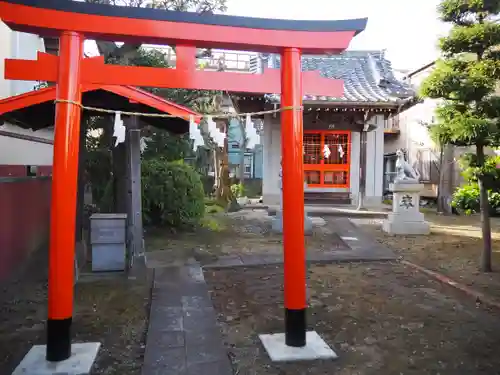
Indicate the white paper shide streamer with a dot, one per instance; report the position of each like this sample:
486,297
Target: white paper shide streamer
215,133
119,129
252,136
326,151
341,151
195,133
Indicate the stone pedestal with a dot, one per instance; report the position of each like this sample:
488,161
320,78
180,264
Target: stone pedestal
406,217
277,223
316,348
81,361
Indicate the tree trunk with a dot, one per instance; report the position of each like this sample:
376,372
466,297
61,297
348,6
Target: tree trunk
442,206
224,194
216,164
223,191
485,215
242,167
445,180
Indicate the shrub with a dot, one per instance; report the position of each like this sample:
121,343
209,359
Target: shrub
253,187
172,194
237,190
466,200
208,184
490,170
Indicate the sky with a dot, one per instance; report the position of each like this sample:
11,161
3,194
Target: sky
407,29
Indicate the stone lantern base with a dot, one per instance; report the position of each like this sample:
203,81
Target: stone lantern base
277,223
406,217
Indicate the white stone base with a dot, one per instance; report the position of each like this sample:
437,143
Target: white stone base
406,227
277,223
406,217
80,363
278,351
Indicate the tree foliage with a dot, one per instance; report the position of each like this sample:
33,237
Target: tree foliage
172,194
130,50
489,171
465,80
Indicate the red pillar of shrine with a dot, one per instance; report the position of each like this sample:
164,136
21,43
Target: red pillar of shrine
293,198
63,204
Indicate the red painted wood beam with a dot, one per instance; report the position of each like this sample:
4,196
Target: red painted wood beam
292,134
117,23
95,71
63,203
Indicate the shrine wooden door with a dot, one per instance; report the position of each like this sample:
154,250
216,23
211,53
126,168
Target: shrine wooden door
327,158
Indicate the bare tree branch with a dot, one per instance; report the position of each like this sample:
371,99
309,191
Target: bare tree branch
128,50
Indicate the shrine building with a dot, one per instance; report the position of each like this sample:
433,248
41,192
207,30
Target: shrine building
338,131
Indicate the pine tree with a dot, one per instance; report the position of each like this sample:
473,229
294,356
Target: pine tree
465,81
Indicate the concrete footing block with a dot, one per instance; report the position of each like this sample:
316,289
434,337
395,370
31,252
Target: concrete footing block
277,224
316,348
81,361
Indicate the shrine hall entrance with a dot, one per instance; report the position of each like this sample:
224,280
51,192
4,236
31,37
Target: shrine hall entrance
327,157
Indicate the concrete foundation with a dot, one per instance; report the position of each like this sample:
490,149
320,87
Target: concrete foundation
406,217
82,358
278,351
277,223
393,225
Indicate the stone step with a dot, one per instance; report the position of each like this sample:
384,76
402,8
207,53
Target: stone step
327,198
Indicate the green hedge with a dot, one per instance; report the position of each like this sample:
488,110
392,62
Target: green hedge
172,194
466,200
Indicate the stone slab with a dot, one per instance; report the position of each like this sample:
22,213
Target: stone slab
277,224
316,348
82,358
183,336
406,227
347,211
210,368
406,187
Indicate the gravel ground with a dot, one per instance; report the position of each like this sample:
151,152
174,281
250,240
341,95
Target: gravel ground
114,312
379,318
453,248
239,233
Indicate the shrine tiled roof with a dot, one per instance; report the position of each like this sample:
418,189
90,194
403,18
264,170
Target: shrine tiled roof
368,76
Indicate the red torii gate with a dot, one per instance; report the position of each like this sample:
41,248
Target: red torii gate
74,21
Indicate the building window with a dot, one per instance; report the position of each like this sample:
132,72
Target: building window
326,158
235,146
248,168
233,170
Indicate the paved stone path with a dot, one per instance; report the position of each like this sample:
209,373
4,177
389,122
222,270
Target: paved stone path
359,248
183,337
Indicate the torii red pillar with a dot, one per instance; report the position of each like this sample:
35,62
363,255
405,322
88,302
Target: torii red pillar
64,191
293,198
71,21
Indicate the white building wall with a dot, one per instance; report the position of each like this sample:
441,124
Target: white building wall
354,178
271,141
15,151
24,46
375,165
5,52
272,158
414,135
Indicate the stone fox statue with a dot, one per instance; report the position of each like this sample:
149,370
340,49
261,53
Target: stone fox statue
404,172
